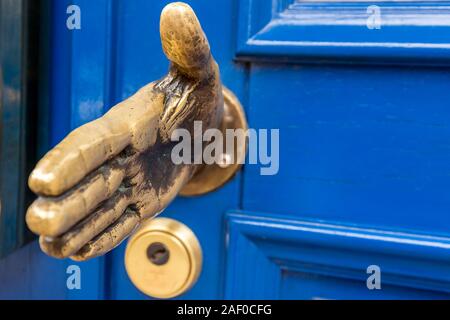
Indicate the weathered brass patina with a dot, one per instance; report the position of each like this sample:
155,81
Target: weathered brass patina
171,269
109,175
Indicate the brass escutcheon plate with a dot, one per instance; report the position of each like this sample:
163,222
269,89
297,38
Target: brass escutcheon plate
174,269
212,177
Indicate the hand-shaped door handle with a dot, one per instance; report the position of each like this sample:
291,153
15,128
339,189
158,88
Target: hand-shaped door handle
107,176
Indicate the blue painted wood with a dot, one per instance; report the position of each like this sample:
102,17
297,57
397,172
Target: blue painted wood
29,274
90,95
11,123
18,100
291,30
78,94
363,152
358,144
273,256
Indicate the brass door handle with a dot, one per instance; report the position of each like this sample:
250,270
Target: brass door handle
109,175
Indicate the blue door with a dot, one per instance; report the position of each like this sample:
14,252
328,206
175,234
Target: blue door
359,208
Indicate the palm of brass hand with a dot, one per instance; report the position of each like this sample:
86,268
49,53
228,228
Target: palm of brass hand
100,182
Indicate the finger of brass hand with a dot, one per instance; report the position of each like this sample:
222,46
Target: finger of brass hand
110,238
54,216
72,241
105,177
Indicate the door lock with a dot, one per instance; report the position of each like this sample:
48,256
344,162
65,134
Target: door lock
158,253
110,175
163,258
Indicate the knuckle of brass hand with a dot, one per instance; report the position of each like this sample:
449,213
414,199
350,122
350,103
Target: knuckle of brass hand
136,134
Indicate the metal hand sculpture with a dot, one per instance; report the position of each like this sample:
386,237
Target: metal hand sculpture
105,177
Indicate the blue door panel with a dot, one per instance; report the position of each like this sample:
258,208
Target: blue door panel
272,256
298,285
366,145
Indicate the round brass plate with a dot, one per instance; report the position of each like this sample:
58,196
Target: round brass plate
212,177
175,275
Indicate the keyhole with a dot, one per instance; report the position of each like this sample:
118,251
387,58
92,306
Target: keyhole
158,253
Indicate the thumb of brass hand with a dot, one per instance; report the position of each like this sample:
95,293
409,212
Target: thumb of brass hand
105,177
